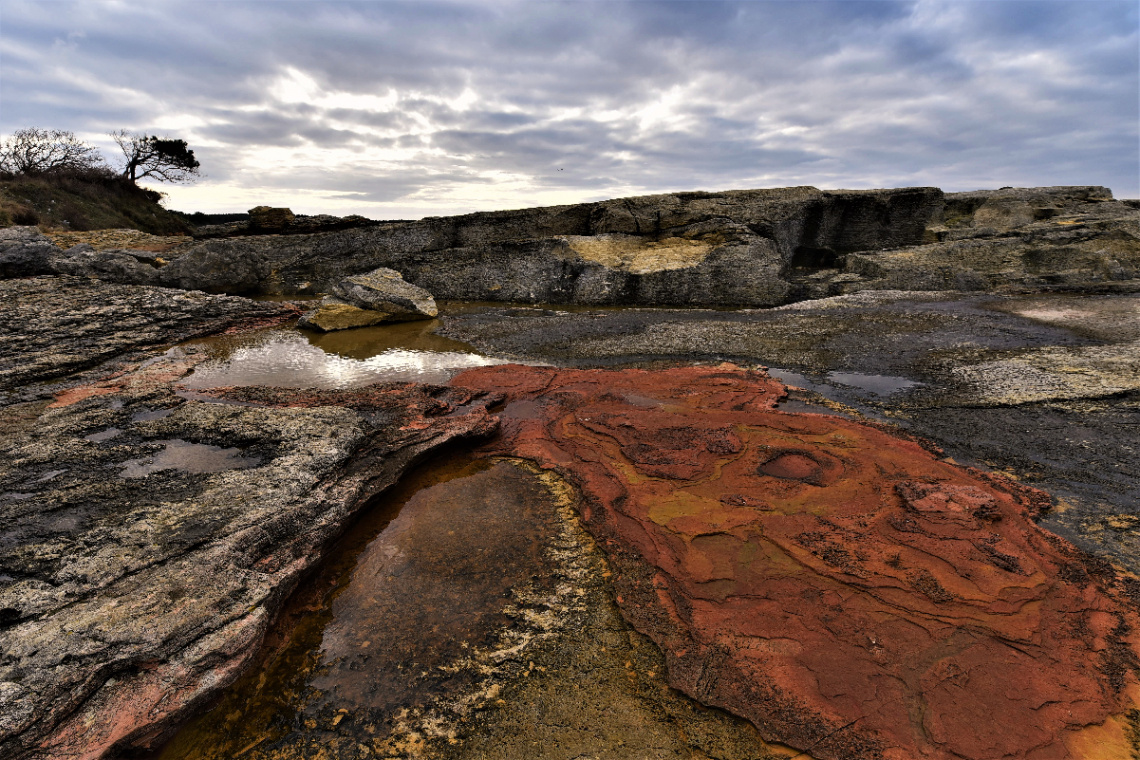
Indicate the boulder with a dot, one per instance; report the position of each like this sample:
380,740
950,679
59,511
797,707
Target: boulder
270,219
385,290
119,266
25,252
334,314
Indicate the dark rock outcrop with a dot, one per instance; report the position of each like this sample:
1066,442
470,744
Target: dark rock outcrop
687,249
25,252
843,588
737,248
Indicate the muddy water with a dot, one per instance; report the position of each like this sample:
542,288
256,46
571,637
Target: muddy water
420,584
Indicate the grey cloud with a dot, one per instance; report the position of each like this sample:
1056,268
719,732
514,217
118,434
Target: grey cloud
818,92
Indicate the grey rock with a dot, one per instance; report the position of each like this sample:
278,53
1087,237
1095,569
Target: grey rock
25,252
55,326
753,240
110,266
385,290
217,266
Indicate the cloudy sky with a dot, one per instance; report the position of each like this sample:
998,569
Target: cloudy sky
401,110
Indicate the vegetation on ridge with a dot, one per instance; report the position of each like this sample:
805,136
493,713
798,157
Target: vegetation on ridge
53,179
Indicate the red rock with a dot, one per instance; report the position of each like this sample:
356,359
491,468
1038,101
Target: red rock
841,587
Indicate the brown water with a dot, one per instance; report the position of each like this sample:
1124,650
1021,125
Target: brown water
421,582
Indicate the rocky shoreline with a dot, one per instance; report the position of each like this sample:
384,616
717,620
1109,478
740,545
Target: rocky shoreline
155,532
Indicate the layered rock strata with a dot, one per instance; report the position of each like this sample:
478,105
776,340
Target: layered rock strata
147,538
843,588
736,248
52,327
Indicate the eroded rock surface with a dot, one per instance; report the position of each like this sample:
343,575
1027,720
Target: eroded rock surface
149,537
54,326
841,587
736,248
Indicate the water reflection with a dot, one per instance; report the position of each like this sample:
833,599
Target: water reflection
291,359
880,385
418,584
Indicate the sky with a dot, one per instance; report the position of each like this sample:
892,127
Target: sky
400,110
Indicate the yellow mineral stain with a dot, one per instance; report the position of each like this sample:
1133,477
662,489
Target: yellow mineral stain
1115,739
637,255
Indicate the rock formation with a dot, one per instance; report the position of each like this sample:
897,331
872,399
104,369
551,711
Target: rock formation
737,248
268,219
149,538
369,299
840,586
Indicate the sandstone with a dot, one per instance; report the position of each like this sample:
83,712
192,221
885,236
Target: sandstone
841,587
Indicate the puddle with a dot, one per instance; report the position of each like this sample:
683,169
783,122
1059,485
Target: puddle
797,380
417,585
187,457
349,359
103,435
146,415
880,385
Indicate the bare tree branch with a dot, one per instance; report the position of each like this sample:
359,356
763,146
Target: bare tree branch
41,151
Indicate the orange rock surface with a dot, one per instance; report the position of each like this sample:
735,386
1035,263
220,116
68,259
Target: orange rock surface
843,588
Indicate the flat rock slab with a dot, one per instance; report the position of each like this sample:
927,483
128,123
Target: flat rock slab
843,588
53,326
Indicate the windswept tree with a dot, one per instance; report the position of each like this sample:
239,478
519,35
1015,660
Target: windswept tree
159,158
35,151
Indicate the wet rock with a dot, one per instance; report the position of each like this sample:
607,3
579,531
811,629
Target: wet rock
369,299
843,588
526,650
139,569
53,326
334,314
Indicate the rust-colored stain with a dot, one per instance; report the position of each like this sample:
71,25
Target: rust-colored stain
841,587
